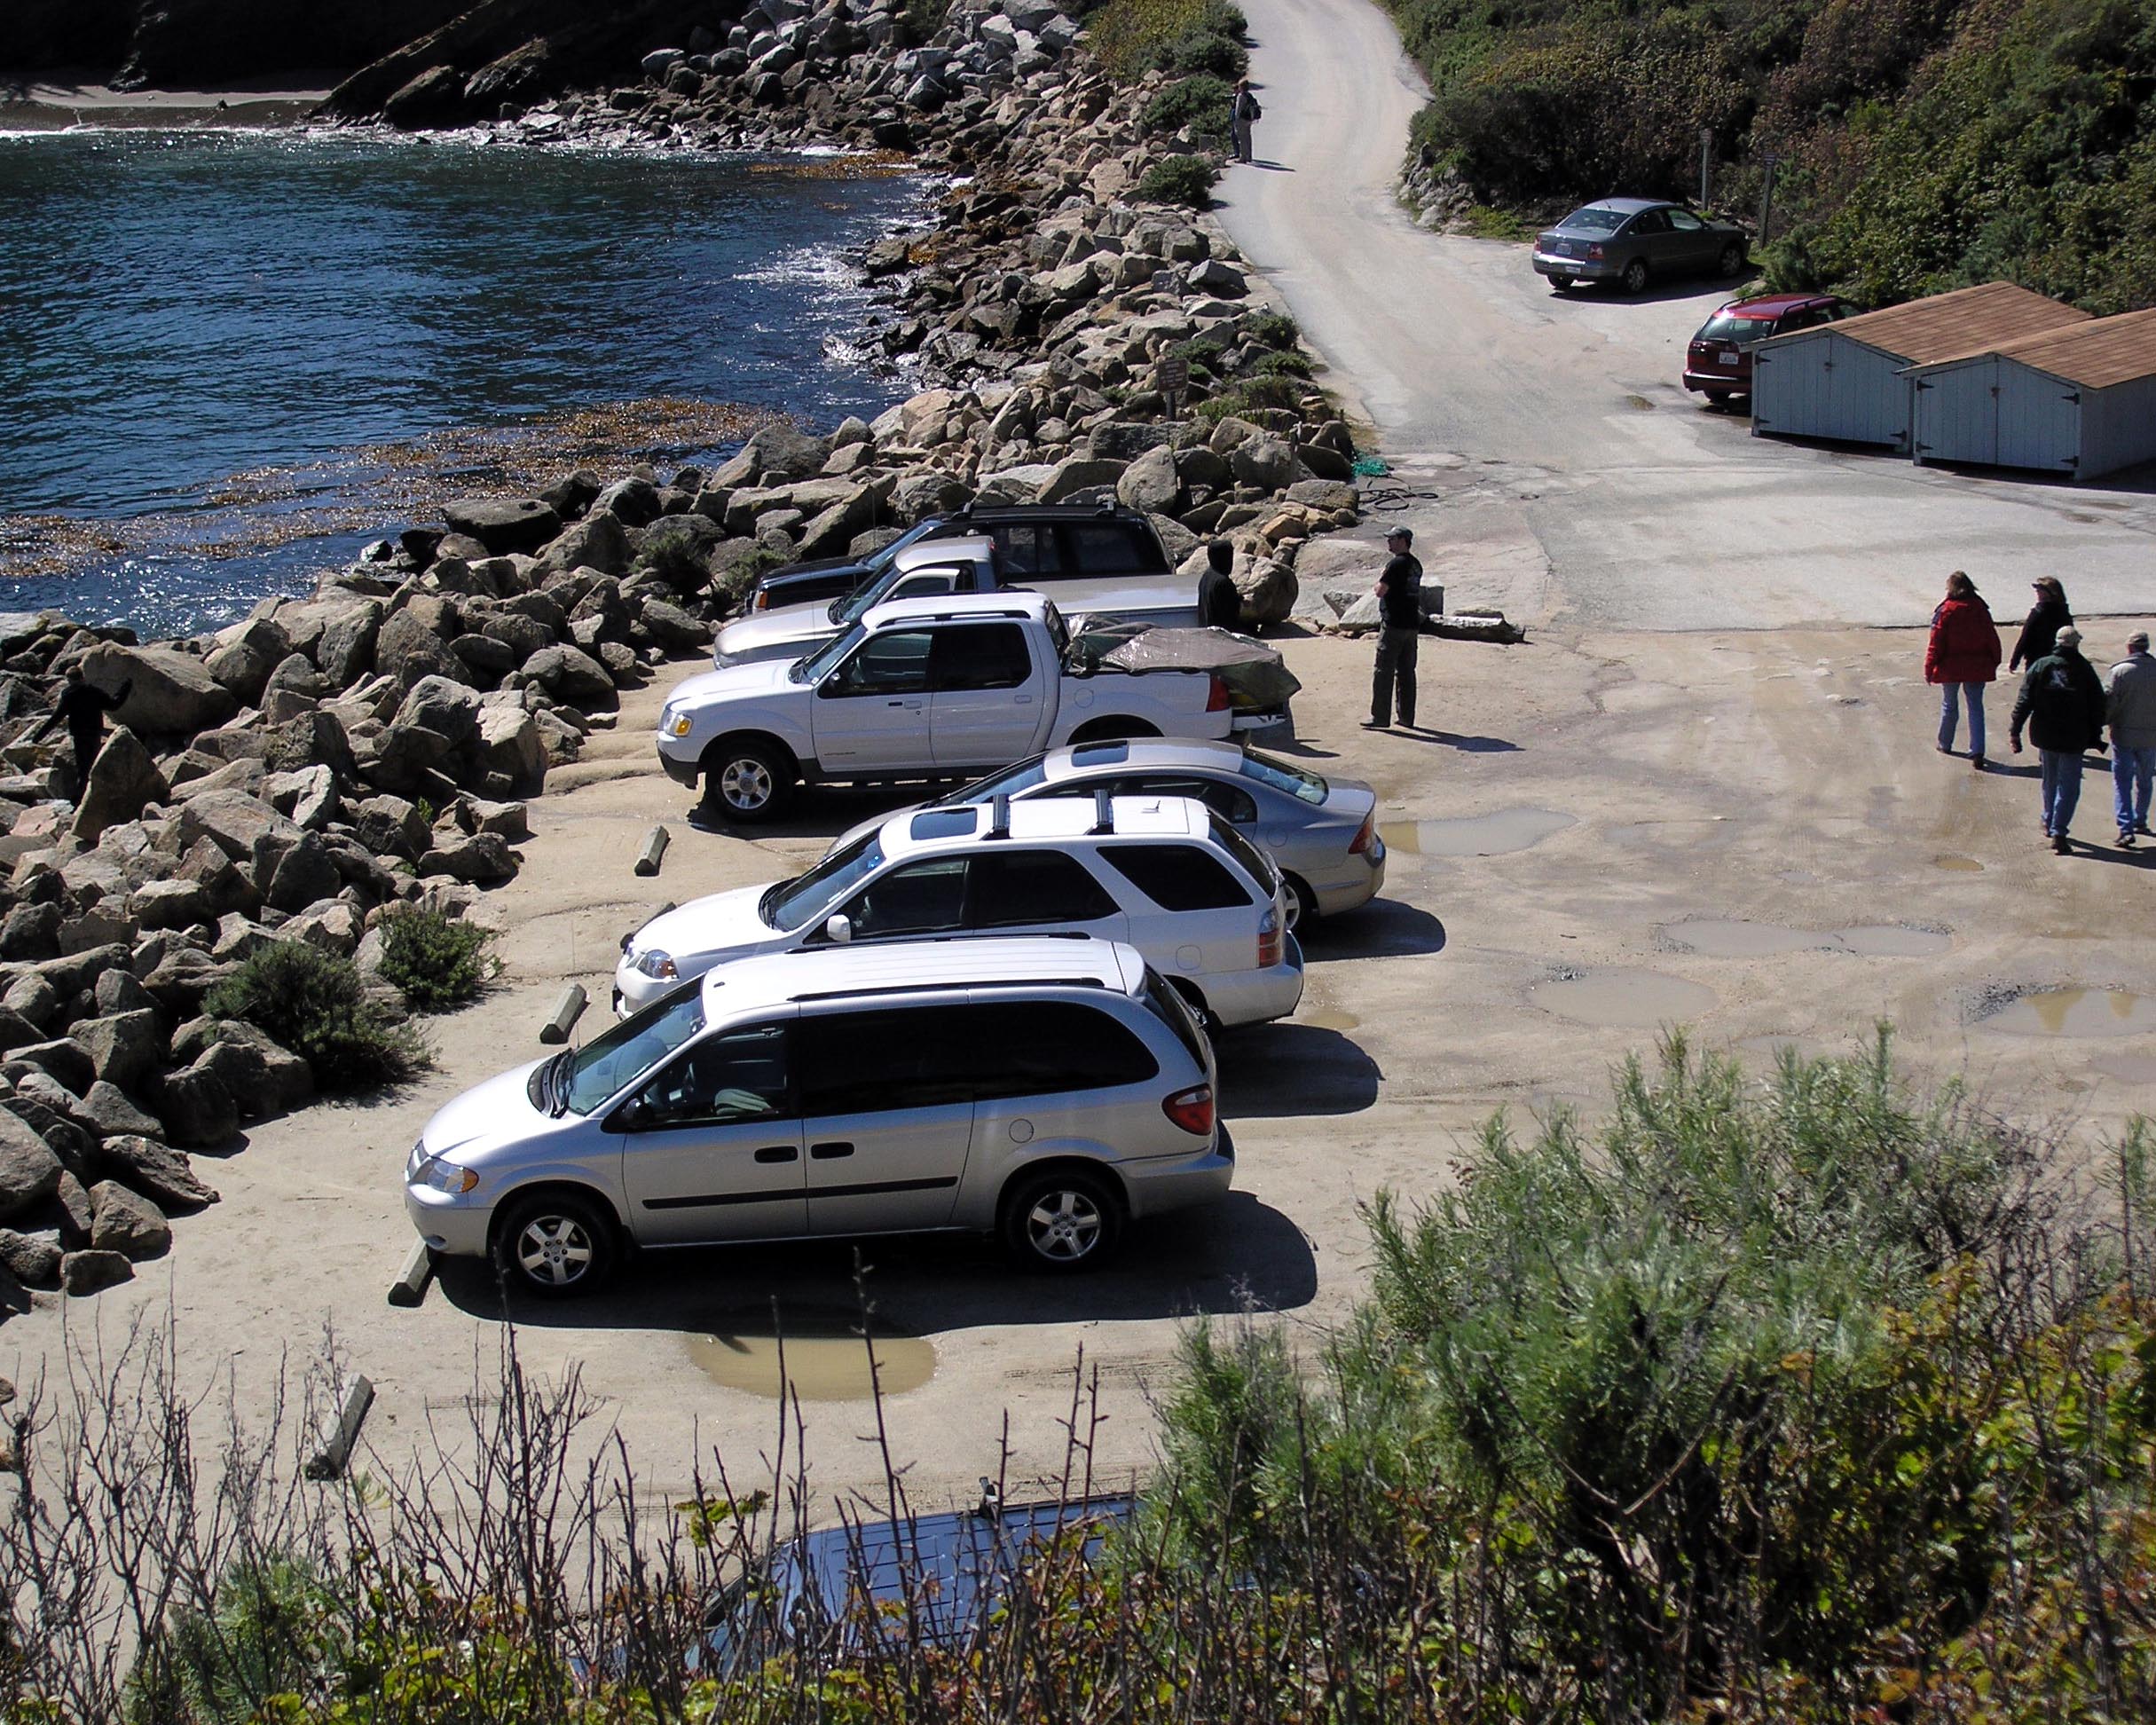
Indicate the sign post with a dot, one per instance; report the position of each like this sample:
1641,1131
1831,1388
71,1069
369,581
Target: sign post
1706,162
1770,162
1171,376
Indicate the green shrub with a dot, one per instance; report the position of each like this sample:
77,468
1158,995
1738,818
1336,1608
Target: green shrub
1133,38
315,1003
435,961
1201,103
1179,179
734,581
1281,365
272,1635
1272,329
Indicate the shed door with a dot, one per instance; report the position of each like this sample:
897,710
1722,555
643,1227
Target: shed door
1957,415
2039,420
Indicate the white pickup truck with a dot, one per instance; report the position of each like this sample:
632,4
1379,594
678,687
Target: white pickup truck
934,687
1165,599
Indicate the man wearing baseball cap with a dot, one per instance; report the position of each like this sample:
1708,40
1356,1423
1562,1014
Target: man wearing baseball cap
1399,595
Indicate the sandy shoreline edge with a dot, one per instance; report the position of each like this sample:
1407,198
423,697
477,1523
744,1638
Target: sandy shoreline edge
62,101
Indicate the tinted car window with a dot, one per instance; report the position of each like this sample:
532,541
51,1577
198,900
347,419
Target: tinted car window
924,583
1726,327
986,656
1685,222
1167,1005
893,663
900,1057
1649,221
1037,1047
1176,876
1104,548
1028,548
1593,219
918,898
1016,888
1248,857
1230,801
1005,782
739,1074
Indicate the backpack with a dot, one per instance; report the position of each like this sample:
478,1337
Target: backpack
1247,108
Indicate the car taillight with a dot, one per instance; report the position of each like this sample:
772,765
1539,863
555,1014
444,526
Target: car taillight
1269,940
1594,251
1191,1110
1216,697
1366,836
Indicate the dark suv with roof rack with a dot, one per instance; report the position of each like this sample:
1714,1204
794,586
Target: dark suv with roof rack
1037,541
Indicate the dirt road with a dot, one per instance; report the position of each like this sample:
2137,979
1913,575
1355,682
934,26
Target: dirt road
1571,478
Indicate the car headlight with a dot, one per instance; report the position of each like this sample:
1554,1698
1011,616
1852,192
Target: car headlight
657,965
443,1176
675,724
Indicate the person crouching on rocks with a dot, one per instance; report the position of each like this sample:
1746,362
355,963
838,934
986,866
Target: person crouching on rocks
81,708
1961,656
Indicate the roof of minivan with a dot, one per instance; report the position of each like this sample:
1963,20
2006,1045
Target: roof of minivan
969,961
963,826
1021,603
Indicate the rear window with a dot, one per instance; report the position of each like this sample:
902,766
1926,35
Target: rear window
913,1057
1037,1047
1177,876
1005,782
1248,857
1281,776
1593,219
1722,327
1167,1005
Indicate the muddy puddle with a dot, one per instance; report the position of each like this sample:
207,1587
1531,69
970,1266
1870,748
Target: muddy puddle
1720,938
1500,834
1331,1018
1623,999
2074,1012
826,1360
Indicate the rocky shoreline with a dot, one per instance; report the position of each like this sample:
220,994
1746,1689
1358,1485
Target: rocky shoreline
295,776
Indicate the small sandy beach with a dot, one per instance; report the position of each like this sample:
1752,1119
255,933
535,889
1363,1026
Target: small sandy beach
58,100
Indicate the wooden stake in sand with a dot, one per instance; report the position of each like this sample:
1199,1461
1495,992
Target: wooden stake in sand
565,1014
655,848
331,1461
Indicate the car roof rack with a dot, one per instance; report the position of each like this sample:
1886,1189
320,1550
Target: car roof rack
999,819
1103,812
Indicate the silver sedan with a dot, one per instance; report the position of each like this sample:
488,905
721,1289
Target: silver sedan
1322,832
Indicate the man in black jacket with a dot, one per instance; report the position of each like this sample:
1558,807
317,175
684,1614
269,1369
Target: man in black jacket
81,708
2062,702
1220,605
1399,595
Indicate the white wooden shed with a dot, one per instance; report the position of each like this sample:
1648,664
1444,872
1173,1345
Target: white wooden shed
2078,400
1848,381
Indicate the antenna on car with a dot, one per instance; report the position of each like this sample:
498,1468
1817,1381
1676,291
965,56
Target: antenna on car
1104,812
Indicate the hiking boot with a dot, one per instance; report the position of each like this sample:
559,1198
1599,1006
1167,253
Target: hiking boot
2126,839
2059,844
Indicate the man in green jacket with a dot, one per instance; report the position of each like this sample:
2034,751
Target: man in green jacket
2062,702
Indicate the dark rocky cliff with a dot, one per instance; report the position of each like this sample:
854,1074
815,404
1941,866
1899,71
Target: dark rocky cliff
208,41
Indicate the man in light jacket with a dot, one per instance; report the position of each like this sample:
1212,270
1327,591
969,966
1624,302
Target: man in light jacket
2129,709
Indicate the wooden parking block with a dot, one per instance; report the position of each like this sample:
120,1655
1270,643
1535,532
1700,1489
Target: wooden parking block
566,1015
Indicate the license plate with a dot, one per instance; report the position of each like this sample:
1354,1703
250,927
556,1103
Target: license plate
1728,358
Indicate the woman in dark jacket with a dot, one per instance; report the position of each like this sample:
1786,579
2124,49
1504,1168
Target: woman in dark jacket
2045,620
1962,656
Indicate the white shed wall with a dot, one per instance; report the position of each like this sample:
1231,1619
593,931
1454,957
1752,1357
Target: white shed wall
1825,385
2118,427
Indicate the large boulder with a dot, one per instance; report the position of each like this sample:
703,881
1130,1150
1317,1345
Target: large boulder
93,1271
595,542
33,1259
504,523
1264,461
1268,589
124,781
785,451
29,1172
125,1222
236,823
161,1173
679,551
198,1109
173,695
302,875
510,745
1151,483
570,675
1079,474
124,1048
407,650
432,98
447,708
345,653
481,859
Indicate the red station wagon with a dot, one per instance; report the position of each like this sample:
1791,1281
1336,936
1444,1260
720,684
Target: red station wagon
1718,363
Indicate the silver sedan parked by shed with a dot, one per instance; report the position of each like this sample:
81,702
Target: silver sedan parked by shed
1321,831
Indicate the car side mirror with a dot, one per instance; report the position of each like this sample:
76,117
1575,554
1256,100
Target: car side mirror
632,1115
839,927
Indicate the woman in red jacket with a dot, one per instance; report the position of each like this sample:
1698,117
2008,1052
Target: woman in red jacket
1962,656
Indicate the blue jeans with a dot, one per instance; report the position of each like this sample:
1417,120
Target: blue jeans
2132,772
1949,713
2061,788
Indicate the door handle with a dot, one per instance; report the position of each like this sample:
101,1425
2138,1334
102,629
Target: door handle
831,1152
778,1153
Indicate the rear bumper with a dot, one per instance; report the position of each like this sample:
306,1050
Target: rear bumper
1574,269
1256,997
1731,382
1350,887
1161,1183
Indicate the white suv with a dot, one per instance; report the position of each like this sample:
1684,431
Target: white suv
1205,906
1047,1091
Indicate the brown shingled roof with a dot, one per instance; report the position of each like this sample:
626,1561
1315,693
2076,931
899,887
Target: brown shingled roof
1969,320
2094,354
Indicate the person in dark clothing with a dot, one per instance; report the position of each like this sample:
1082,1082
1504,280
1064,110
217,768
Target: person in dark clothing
81,708
1220,606
1243,114
1399,595
2064,704
2045,619
1961,656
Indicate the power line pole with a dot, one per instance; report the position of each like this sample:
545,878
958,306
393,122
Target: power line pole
1770,162
1706,158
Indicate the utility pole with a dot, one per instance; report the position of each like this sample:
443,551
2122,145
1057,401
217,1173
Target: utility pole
1706,159
1770,162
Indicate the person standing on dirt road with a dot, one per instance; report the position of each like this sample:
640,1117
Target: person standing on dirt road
2130,708
81,708
1243,112
2046,618
1961,656
2063,703
1399,596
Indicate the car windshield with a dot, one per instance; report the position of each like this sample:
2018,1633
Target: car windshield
874,568
603,1066
809,897
1734,326
1005,782
1280,777
812,668
1593,219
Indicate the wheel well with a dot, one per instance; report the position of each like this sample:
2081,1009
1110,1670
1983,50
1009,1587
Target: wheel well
1032,1171
1300,888
734,739
597,1199
1108,731
1192,995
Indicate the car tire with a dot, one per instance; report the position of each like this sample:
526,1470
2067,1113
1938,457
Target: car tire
1062,1221
555,1245
1634,279
1560,285
1716,397
1306,901
746,781
1208,1021
1732,261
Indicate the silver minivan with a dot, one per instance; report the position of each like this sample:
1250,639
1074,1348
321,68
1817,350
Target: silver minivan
1044,1090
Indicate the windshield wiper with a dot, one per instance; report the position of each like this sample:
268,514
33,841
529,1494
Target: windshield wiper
555,1077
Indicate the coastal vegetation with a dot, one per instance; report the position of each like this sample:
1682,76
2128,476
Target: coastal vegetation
1922,144
435,961
315,1003
1804,1399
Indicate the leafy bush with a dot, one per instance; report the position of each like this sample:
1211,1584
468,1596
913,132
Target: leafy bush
1281,365
1272,329
315,1003
1133,38
1179,179
435,961
1201,103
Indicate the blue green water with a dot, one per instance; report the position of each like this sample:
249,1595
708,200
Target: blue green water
229,359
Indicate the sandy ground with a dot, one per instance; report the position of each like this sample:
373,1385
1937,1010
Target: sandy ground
57,101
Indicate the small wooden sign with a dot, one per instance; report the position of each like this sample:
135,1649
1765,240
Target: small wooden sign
1171,376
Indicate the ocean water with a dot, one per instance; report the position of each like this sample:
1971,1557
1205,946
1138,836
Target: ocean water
229,359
